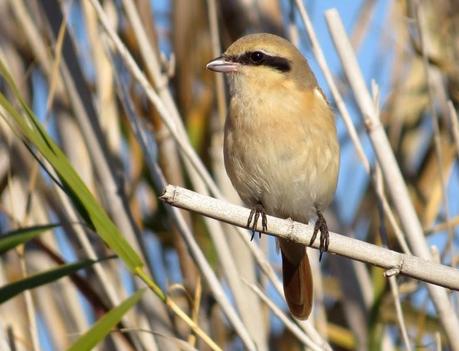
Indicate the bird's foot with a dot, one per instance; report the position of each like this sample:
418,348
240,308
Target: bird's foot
252,222
321,225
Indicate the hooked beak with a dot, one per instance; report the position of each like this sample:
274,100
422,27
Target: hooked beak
221,64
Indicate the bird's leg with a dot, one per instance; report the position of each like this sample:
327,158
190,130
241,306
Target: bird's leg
255,213
321,225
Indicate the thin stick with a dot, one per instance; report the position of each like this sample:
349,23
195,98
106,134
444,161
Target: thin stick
454,125
342,245
178,311
216,47
439,227
288,323
196,308
30,307
398,309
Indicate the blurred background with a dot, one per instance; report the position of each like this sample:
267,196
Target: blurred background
91,102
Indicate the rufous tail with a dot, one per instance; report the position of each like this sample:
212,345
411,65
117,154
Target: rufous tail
297,278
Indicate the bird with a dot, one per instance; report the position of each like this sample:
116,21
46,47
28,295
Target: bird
280,148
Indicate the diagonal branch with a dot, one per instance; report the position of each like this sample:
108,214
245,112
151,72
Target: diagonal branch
342,245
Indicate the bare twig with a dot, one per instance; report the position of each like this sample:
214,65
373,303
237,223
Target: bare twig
398,309
31,311
412,266
454,125
216,47
288,323
439,227
379,190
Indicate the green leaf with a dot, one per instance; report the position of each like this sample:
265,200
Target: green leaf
13,289
105,324
27,125
20,236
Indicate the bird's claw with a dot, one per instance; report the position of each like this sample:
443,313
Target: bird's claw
254,215
321,225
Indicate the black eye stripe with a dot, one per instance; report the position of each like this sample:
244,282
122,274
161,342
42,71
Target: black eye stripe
277,62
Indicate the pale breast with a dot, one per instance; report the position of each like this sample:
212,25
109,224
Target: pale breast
283,155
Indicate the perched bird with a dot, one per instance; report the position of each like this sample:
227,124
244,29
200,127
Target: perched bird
280,147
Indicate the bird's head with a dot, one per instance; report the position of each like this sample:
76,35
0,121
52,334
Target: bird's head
263,61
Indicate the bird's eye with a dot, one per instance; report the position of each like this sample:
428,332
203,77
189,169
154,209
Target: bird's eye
257,57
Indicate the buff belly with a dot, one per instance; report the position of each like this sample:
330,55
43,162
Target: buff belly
287,181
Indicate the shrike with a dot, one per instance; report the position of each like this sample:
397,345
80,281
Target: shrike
280,147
